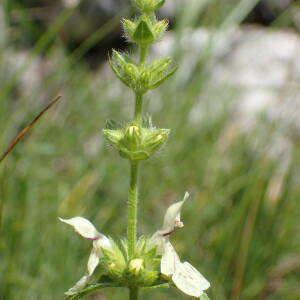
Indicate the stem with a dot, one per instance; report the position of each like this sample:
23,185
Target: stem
138,108
133,191
133,293
143,54
139,96
132,208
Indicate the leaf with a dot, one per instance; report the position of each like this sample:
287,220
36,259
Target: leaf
93,287
162,284
21,134
163,79
143,33
159,66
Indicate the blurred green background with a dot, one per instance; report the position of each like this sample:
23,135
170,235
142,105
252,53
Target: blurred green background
242,222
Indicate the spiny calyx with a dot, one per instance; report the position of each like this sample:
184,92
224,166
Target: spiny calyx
140,78
142,269
136,142
145,30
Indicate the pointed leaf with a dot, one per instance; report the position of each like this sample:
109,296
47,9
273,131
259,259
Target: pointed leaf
93,287
163,79
143,33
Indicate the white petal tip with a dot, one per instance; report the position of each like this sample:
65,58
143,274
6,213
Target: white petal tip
186,196
78,286
83,227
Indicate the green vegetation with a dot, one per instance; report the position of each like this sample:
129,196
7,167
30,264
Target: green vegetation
243,217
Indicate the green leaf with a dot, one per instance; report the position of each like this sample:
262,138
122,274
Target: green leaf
159,66
93,287
163,78
143,34
163,284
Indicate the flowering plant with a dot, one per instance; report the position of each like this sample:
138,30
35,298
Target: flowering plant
147,262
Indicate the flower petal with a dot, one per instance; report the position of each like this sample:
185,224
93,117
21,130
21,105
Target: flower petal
170,259
189,280
102,242
83,227
172,216
93,261
78,286
157,240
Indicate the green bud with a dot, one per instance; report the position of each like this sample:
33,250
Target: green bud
148,6
131,74
145,30
144,79
136,265
114,262
135,142
124,69
132,137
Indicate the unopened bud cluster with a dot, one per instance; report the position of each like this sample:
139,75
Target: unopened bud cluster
141,270
138,77
136,142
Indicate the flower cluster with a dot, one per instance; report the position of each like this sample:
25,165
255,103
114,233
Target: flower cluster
155,261
146,262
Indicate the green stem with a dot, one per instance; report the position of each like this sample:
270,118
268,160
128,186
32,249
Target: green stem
143,54
138,108
133,293
132,208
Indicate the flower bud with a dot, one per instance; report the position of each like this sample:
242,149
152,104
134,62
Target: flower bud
148,6
136,265
144,79
135,142
145,30
132,137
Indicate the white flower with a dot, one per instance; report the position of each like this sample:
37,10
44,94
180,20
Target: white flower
87,230
184,275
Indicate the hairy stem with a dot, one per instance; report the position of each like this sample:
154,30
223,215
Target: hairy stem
133,293
132,207
133,191
138,108
143,54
